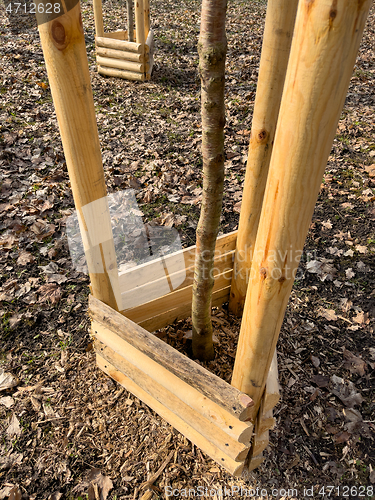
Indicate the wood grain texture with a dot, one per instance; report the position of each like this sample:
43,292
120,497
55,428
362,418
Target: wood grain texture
119,54
324,47
217,390
98,17
182,311
64,51
109,41
120,73
272,392
140,23
120,64
206,446
183,400
277,39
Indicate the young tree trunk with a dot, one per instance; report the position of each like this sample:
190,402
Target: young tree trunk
129,8
212,48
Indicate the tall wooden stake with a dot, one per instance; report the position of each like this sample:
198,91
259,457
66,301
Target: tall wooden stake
324,48
64,51
139,22
212,48
98,16
273,63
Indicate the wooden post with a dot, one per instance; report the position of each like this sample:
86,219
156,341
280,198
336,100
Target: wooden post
146,6
273,63
64,51
324,48
98,16
129,6
139,22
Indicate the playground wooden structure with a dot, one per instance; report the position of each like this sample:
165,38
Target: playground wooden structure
230,422
117,54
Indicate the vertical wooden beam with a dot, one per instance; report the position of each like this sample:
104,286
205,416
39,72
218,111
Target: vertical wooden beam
277,39
146,6
139,22
130,13
324,48
64,51
98,17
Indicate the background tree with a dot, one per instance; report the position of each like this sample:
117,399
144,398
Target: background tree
212,47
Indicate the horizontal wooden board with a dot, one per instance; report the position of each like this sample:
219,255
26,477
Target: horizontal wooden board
183,311
183,400
206,446
120,64
132,296
173,300
217,390
118,44
120,54
174,262
120,73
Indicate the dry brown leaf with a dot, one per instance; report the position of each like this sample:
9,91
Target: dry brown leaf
353,363
14,428
49,293
103,484
25,258
328,314
7,380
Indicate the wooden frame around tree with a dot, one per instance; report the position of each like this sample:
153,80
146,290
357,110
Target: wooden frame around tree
229,422
117,54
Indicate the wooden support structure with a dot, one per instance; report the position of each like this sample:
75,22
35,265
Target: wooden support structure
324,47
231,423
277,39
128,44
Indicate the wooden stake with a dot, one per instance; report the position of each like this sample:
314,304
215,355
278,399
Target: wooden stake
324,48
146,7
98,16
64,51
130,12
118,44
139,22
273,63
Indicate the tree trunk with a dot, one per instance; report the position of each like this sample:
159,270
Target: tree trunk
212,50
129,6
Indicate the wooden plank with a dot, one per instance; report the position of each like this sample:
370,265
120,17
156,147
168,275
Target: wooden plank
98,17
64,50
214,388
255,462
174,262
261,441
139,22
277,38
112,43
172,300
120,73
119,54
230,465
120,64
184,401
323,52
181,312
135,293
272,392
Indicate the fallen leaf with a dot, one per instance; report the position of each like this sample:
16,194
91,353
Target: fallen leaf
353,363
352,415
49,293
328,314
14,428
55,496
10,492
361,249
315,361
349,273
341,437
103,484
7,401
345,391
320,380
25,258
7,380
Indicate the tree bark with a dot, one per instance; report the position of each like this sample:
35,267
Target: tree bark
212,48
